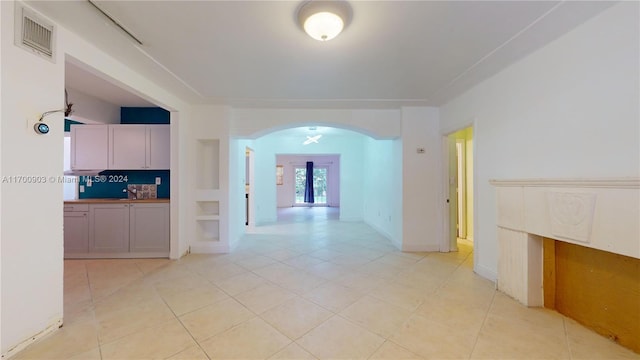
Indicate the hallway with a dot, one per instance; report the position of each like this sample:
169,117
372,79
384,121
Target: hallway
303,290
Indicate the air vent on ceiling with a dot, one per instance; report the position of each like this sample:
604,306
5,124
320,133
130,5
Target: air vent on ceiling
34,33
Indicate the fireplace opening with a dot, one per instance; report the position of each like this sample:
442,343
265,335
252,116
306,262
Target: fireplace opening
599,289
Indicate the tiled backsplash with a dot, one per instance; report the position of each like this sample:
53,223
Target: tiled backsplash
118,180
145,191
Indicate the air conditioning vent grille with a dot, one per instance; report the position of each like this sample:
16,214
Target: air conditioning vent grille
37,36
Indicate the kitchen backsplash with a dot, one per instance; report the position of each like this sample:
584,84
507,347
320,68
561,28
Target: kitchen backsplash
137,191
110,184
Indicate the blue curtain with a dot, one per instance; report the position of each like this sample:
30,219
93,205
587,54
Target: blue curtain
308,185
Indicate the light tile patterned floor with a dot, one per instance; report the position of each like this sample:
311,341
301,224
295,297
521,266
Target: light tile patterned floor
309,287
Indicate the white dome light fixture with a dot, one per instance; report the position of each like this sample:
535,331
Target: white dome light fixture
324,20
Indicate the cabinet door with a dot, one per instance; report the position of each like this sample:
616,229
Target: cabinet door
149,227
76,232
159,149
127,147
89,147
109,228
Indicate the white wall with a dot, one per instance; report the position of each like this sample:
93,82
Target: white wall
379,124
422,192
31,255
89,109
285,193
349,146
569,110
382,188
30,86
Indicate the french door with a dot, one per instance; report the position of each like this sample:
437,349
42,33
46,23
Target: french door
320,175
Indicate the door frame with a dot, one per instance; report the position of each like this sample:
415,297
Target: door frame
449,238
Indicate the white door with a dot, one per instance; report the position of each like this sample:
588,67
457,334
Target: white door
453,194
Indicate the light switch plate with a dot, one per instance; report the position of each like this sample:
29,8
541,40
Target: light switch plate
81,188
158,180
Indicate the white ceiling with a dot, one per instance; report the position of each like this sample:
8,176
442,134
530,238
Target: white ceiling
254,54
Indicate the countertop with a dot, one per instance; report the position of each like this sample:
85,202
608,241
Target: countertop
114,201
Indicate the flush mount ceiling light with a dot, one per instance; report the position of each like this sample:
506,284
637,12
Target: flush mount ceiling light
312,139
324,20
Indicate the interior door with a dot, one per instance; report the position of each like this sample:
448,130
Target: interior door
453,193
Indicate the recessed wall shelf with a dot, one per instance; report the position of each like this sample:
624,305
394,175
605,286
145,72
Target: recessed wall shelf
208,164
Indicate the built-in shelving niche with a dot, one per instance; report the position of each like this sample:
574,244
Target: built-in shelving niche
208,164
207,204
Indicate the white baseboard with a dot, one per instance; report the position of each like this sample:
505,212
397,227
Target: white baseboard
21,346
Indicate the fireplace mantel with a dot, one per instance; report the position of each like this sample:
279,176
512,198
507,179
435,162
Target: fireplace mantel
597,213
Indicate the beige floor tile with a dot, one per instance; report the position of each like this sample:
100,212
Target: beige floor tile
300,283
255,262
151,343
116,324
93,354
334,297
505,306
130,295
214,319
513,338
327,270
400,295
254,339
303,261
218,272
264,297
360,282
191,353
454,312
282,254
338,338
277,272
151,265
376,315
79,312
68,341
293,352
587,344
397,260
296,317
240,283
432,340
391,351
180,284
193,299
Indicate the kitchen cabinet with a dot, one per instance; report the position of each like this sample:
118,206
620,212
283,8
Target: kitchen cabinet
76,229
149,227
89,145
159,151
108,228
134,147
115,228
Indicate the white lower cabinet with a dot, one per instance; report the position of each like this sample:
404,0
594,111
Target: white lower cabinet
149,227
76,229
109,228
126,230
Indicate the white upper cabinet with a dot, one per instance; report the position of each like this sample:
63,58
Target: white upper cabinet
134,147
120,147
89,145
159,150
128,147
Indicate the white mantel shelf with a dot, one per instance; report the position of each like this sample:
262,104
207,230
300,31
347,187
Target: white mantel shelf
598,213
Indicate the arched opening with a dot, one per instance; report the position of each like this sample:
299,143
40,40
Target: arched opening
356,177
